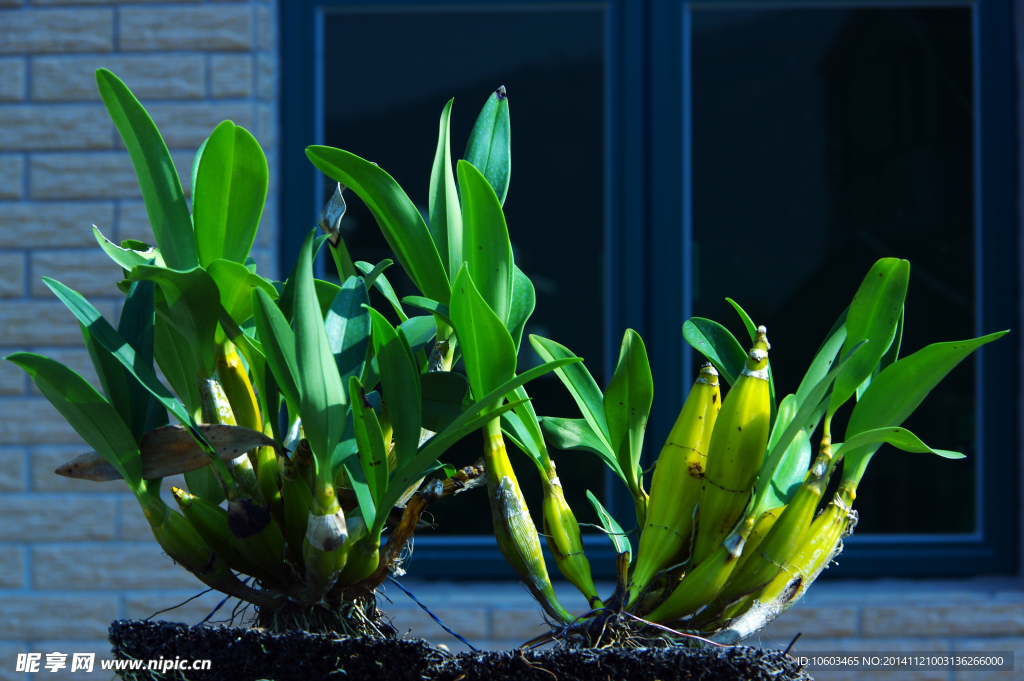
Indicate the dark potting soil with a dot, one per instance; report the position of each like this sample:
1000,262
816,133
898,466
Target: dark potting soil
252,654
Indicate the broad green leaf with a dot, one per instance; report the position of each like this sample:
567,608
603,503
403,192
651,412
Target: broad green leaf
287,301
235,284
627,405
127,258
360,485
87,412
795,460
136,326
581,385
443,394
487,347
808,414
443,200
579,435
228,195
321,395
384,286
489,146
373,453
486,247
514,430
178,364
715,342
278,343
326,292
399,378
348,328
419,331
195,161
112,377
158,178
901,438
104,333
898,390
890,356
430,306
524,300
873,316
397,215
193,307
614,530
748,323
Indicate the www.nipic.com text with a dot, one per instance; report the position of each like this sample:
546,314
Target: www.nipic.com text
85,662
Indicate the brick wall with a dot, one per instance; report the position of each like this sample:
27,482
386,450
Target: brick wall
74,556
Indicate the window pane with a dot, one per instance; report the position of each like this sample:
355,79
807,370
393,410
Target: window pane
387,76
824,139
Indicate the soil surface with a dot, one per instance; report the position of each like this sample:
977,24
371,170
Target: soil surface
252,654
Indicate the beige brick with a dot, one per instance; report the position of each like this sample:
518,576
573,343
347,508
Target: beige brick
90,272
944,620
192,28
12,468
12,566
991,647
156,76
107,566
517,623
9,651
38,616
49,127
140,605
39,517
12,275
231,75
470,622
64,224
37,322
266,77
34,421
812,621
12,79
266,262
76,359
264,28
107,175
185,126
12,177
12,378
266,133
100,648
45,460
133,222
57,30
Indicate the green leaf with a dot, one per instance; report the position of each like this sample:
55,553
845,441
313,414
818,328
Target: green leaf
348,328
715,342
278,343
419,331
287,301
195,162
627,405
890,356
443,200
112,377
898,390
515,430
524,300
579,435
489,146
486,247
792,467
487,347
384,286
752,332
400,380
104,333
228,195
373,453
87,412
525,424
136,326
430,306
372,275
614,530
235,284
443,394
158,178
127,258
822,362
321,395
360,485
178,364
581,385
193,307
873,316
901,438
397,215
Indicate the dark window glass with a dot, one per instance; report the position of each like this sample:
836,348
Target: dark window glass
386,77
824,139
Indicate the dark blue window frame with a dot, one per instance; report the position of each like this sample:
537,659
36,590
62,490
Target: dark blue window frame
647,181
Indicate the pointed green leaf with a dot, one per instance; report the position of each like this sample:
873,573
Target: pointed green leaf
787,476
581,385
348,328
127,258
158,178
627,405
419,331
287,301
486,247
136,326
901,438
614,530
178,364
429,305
715,342
752,331
373,453
235,284
489,146
443,200
822,362
397,215
384,286
524,300
400,381
112,377
278,343
579,435
372,275
228,195
487,347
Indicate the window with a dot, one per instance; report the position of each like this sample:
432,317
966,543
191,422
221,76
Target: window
831,133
